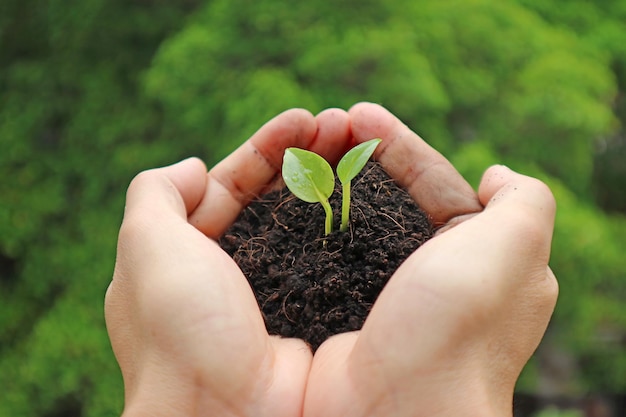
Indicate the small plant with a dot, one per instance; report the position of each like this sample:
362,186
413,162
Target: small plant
310,178
349,167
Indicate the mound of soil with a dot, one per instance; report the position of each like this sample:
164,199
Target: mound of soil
310,289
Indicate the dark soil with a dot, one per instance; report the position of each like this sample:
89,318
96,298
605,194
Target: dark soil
311,290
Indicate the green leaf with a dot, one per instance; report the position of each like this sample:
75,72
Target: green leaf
355,159
349,166
308,175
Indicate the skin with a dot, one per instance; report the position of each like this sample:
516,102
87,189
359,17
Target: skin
448,335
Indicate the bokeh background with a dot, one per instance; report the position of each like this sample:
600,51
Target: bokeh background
94,91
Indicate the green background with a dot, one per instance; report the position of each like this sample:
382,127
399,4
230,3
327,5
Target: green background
94,91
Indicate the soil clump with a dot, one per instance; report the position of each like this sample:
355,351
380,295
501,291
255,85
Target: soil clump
312,290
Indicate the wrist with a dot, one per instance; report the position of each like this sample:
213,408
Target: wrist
450,402
163,395
455,391
464,396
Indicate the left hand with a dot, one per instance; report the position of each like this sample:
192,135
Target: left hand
182,319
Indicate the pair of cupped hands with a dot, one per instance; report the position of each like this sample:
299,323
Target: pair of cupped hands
448,335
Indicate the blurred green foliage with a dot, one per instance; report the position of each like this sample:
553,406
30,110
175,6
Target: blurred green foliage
92,92
553,412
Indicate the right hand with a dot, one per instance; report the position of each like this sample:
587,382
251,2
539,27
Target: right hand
456,323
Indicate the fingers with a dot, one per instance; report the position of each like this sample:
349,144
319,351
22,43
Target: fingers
334,137
254,168
431,180
248,171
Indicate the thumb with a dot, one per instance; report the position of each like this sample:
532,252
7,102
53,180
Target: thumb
519,206
174,189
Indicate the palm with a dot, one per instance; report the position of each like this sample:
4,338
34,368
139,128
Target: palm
222,335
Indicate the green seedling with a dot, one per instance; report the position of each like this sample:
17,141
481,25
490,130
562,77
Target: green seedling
349,167
310,178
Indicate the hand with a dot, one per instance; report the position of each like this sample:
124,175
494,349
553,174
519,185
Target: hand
193,340
453,328
182,319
